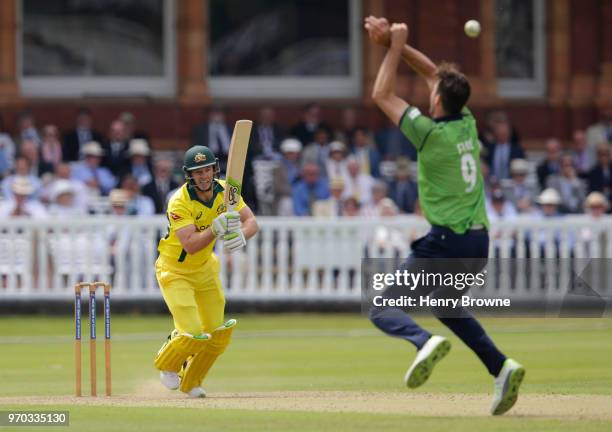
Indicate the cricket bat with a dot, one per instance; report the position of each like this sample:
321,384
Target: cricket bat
235,163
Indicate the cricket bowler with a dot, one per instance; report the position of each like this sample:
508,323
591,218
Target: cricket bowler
188,272
451,193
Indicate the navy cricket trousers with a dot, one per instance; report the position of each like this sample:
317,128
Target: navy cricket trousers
468,250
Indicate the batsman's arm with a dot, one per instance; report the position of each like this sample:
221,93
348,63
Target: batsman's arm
249,222
383,92
193,240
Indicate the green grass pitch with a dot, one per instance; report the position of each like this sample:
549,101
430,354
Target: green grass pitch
312,373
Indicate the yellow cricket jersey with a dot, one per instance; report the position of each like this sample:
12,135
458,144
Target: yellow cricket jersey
185,208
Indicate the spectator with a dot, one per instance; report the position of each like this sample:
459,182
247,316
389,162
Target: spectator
336,164
501,150
267,135
596,205
487,135
379,194
99,179
83,133
350,207
349,124
63,173
600,177
499,208
581,154
7,152
366,153
139,162
22,170
393,144
159,188
593,236
291,149
27,129
38,168
138,204
517,190
272,188
600,132
310,188
331,207
310,124
50,147
115,149
359,185
318,150
22,202
129,122
571,189
215,134
403,190
549,201
63,200
551,164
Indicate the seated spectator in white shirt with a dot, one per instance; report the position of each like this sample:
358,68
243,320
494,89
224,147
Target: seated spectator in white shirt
139,163
138,204
99,179
571,189
517,189
336,163
359,185
498,208
63,172
22,169
22,203
331,207
63,200
379,193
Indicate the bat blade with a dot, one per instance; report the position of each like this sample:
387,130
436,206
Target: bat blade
235,163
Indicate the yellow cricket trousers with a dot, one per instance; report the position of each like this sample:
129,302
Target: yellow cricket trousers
194,296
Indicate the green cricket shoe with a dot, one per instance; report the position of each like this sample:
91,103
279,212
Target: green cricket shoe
434,350
507,385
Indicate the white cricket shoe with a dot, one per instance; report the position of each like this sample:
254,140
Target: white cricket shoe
170,380
507,385
196,392
432,352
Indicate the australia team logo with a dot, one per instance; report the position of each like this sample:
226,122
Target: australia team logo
221,208
199,157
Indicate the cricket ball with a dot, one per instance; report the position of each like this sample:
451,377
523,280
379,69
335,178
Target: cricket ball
472,28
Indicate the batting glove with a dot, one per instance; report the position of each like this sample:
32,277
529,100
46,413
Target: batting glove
224,223
232,241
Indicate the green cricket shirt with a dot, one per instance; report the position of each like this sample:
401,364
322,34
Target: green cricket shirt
451,187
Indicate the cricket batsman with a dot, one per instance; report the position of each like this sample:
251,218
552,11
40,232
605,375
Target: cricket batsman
188,272
451,193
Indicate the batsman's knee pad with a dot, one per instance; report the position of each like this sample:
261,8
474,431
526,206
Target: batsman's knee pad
200,364
179,346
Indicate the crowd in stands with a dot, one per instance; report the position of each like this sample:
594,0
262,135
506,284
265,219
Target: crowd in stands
308,169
